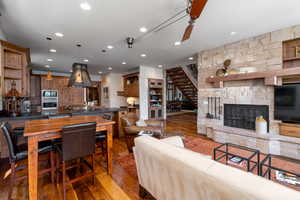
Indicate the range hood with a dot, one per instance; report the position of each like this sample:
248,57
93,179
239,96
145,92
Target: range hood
80,76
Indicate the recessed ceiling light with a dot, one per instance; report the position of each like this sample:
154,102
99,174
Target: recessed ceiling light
47,66
124,63
85,60
159,66
71,71
59,34
191,58
110,46
85,6
143,55
100,72
49,59
110,68
52,50
177,43
233,33
143,29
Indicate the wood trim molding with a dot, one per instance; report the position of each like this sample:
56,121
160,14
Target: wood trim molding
273,78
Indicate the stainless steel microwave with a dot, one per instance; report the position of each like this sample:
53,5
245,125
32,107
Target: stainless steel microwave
49,99
49,93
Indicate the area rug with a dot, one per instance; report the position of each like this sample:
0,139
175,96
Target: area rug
205,146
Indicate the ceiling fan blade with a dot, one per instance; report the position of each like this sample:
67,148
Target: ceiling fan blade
197,7
188,32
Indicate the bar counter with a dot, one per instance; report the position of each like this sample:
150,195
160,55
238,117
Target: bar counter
45,114
20,121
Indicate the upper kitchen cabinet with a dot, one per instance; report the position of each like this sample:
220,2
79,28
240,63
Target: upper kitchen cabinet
131,85
14,68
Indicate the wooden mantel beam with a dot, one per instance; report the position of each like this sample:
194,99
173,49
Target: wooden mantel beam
271,77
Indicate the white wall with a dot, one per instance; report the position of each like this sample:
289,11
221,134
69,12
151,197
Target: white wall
2,35
114,82
147,72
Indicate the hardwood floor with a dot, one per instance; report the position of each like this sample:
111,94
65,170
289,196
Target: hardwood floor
120,187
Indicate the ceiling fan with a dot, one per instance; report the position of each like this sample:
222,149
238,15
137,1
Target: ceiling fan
194,9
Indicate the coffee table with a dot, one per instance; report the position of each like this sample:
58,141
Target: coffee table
228,151
268,166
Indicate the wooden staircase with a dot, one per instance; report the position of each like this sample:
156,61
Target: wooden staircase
184,84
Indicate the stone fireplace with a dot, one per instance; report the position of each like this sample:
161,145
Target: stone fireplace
242,101
244,116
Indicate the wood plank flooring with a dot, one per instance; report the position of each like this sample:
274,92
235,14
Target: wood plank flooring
120,187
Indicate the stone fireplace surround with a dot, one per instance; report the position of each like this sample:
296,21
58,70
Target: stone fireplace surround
260,53
250,95
244,116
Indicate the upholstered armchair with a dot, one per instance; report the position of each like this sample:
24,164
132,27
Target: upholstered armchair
131,130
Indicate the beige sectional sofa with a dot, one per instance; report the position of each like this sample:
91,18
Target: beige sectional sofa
168,171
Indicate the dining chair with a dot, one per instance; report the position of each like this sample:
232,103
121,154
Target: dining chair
101,135
17,136
78,142
15,156
58,140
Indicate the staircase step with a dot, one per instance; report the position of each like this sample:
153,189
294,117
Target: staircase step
174,69
184,84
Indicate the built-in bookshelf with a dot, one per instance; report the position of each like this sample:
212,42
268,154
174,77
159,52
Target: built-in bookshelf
155,98
291,53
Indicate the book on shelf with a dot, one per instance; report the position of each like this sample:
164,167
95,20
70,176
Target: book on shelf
287,178
237,161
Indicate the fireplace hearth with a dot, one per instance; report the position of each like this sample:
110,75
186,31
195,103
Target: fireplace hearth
244,116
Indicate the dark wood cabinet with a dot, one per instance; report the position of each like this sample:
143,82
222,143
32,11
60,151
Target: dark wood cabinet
35,90
131,85
14,68
291,53
94,93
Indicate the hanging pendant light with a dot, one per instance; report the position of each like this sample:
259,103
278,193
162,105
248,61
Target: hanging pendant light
80,76
49,74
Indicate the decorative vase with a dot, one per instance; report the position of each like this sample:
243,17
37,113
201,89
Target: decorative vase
261,126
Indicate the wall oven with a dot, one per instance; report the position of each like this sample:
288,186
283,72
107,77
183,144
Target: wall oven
49,99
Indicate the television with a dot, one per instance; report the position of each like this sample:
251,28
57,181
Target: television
287,103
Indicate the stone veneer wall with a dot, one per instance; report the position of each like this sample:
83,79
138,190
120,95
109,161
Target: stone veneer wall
260,53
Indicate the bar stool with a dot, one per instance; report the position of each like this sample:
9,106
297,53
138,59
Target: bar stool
78,142
15,156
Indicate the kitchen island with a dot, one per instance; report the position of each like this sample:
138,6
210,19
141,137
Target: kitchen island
20,120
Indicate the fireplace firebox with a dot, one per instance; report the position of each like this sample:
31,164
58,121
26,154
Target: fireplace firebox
244,116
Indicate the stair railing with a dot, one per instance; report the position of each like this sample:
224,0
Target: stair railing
187,71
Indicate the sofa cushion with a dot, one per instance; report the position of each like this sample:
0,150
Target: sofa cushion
175,140
247,184
172,173
161,168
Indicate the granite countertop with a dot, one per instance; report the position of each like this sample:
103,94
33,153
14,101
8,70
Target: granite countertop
45,114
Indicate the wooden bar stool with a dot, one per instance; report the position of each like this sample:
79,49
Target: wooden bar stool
78,142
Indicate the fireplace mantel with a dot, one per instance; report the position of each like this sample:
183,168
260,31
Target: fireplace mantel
271,78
